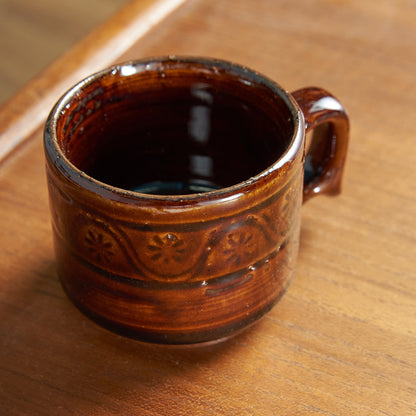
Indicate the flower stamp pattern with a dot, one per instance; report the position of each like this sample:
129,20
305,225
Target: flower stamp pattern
168,249
240,245
167,256
99,246
194,253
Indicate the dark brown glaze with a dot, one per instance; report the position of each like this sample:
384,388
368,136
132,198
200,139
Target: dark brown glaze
328,122
185,262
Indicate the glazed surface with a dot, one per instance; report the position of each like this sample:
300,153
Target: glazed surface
166,268
174,127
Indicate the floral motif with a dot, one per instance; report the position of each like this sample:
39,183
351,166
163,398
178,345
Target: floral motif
167,249
99,246
240,246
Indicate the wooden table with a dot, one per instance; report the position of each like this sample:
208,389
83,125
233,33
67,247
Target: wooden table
343,339
34,33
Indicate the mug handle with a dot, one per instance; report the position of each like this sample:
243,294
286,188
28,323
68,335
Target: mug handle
326,145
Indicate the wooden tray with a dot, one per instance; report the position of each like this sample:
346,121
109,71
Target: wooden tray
343,339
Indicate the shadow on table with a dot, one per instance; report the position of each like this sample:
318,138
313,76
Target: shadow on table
53,356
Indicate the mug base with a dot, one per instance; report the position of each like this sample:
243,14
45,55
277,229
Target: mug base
175,339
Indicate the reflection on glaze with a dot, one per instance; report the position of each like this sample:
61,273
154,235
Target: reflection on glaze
199,125
326,103
127,70
194,140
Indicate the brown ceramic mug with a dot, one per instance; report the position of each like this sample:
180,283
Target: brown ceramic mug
175,189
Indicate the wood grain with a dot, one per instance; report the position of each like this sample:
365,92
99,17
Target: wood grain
343,339
27,110
35,33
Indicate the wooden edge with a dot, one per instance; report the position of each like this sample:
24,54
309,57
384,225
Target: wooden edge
26,111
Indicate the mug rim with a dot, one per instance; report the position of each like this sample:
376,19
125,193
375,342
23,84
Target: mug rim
76,175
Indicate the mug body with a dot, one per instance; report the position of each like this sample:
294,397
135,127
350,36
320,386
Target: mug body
175,189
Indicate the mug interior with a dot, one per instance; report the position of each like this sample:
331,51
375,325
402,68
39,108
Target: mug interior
171,127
